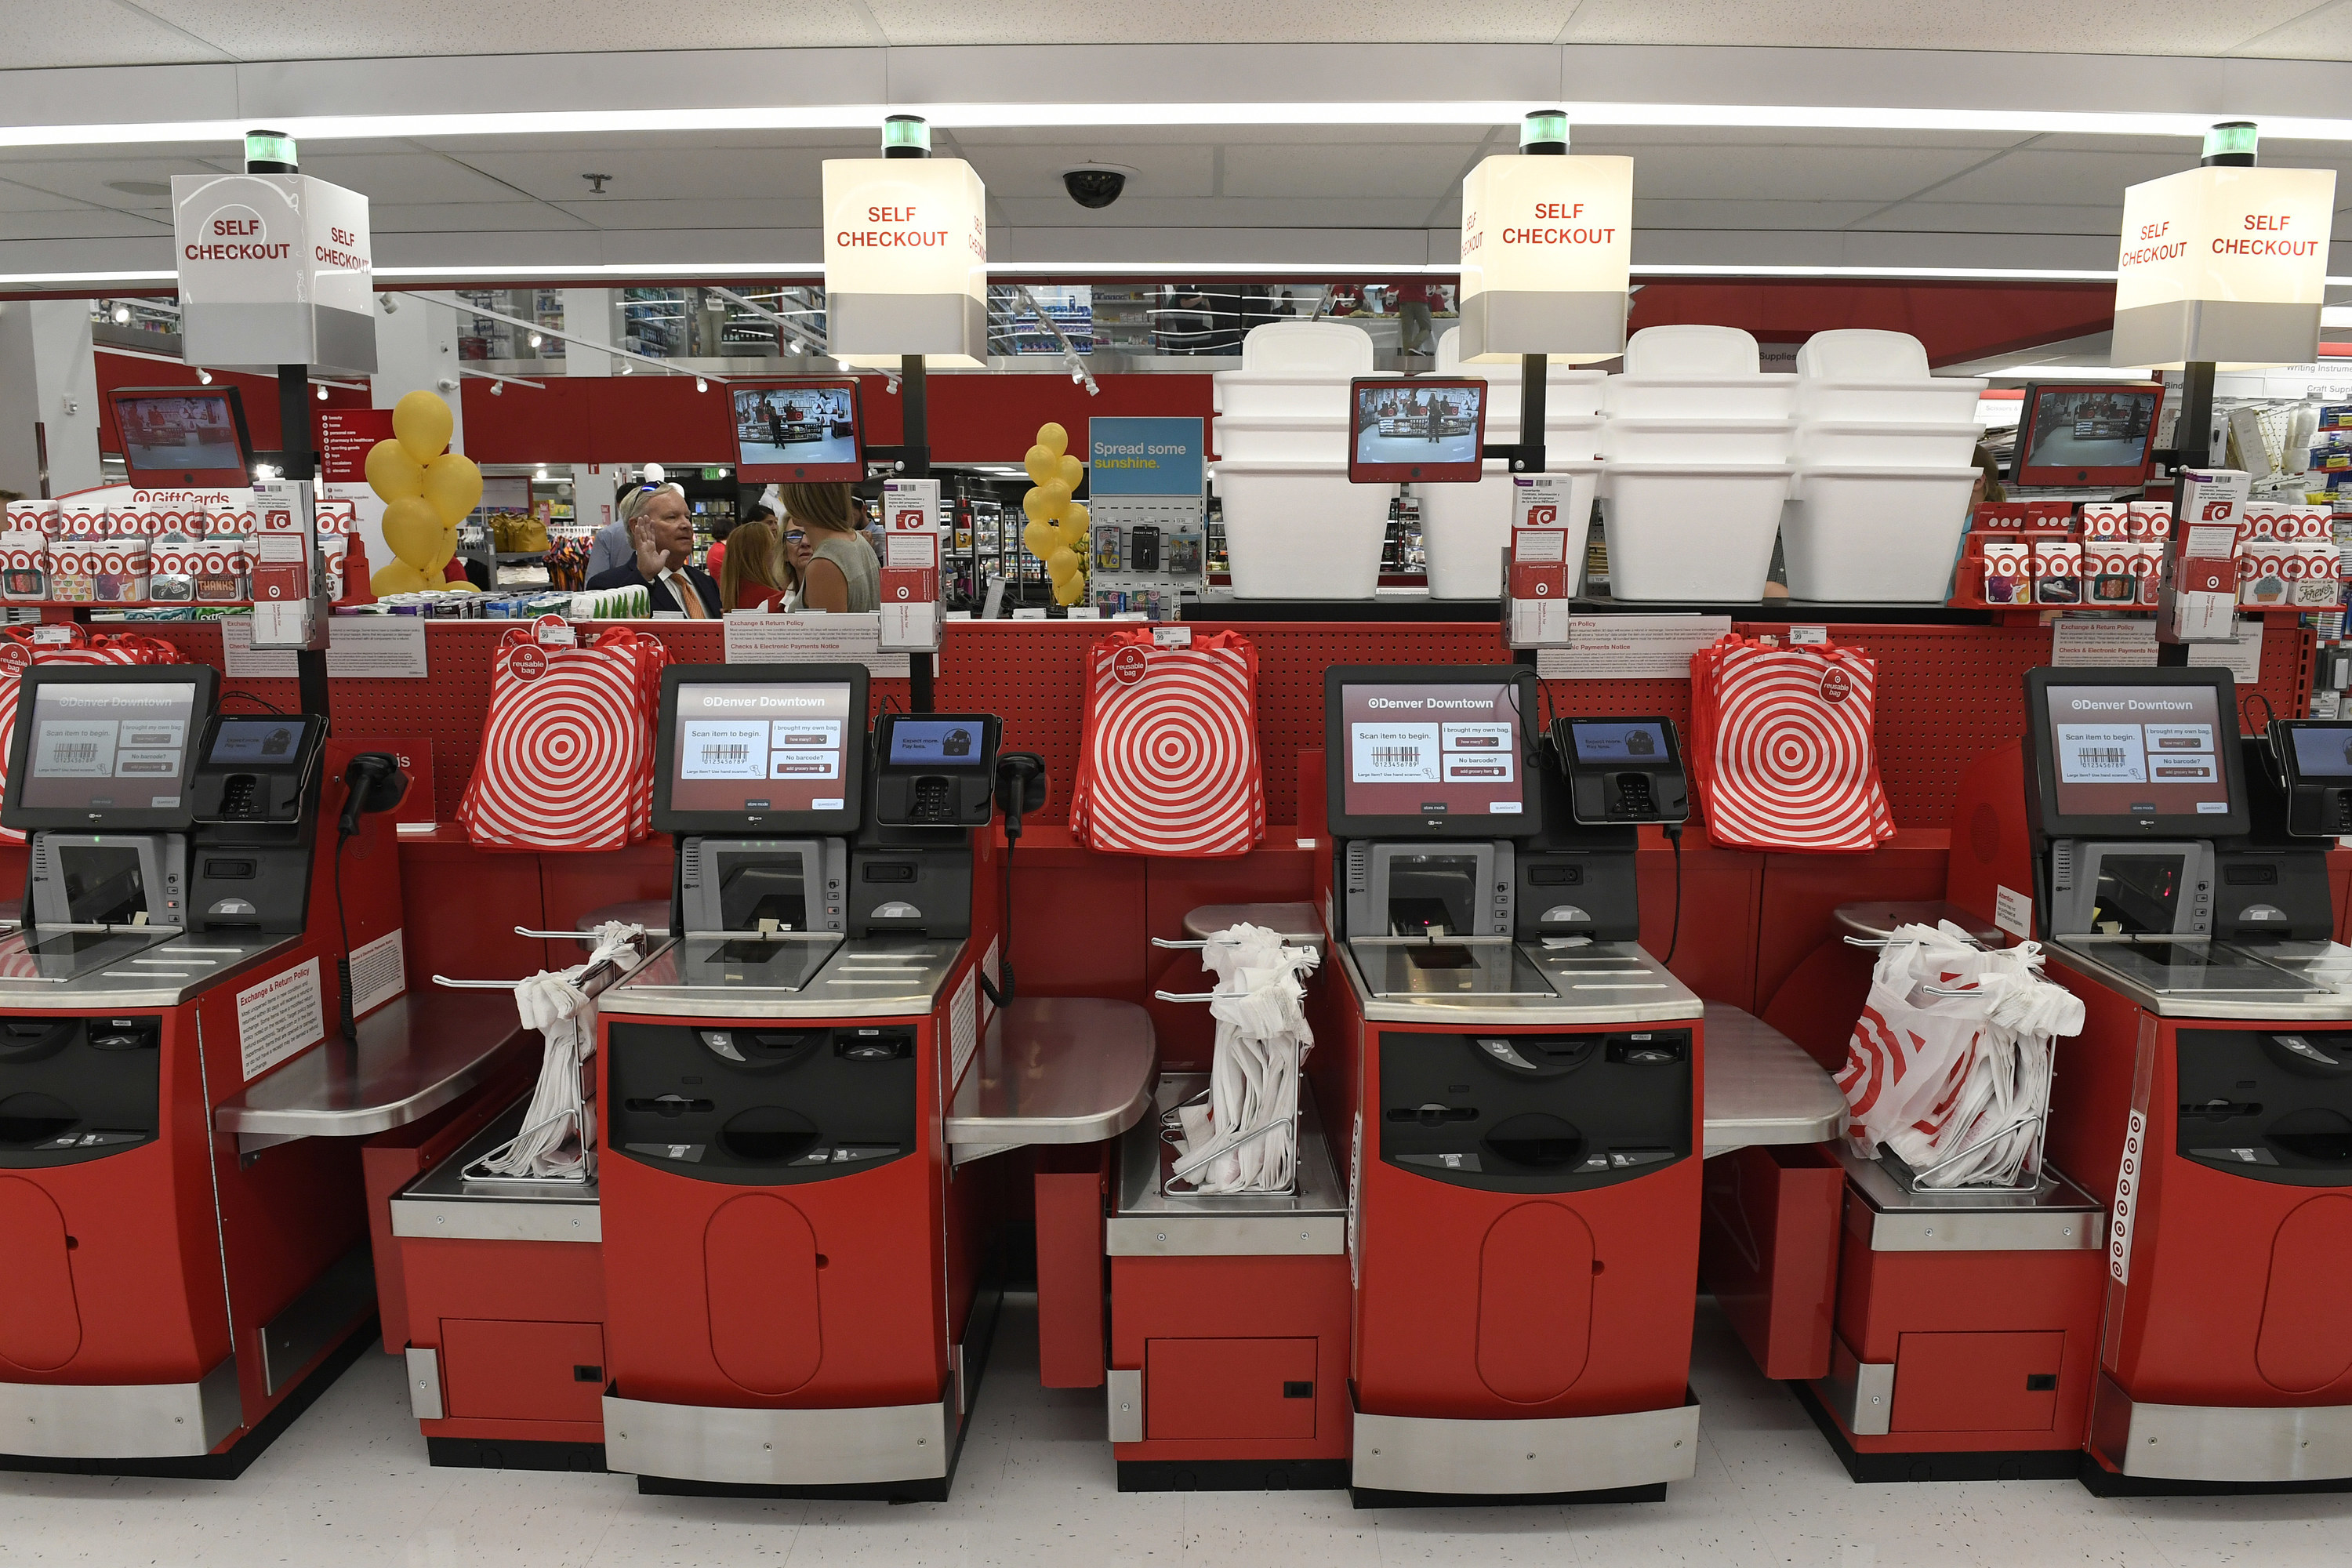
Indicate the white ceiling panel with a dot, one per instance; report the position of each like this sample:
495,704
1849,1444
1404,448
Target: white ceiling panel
1238,212
86,179
2023,220
1795,174
1033,171
468,218
270,30
407,178
83,223
716,175
38,33
1759,214
2322,33
2032,26
705,213
1221,21
22,198
2070,179
1370,168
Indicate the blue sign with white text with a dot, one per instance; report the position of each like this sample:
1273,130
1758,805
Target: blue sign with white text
1144,457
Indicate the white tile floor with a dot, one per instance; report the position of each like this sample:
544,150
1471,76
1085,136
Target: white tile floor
348,1484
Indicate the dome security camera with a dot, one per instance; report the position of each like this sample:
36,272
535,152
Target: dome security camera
1094,186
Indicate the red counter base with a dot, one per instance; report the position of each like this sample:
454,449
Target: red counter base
1897,1464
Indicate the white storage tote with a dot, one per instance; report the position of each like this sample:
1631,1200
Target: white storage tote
1300,530
1864,444
1464,529
1699,397
1697,440
1325,348
1935,400
1281,394
1691,533
1297,439
1692,350
1568,390
1863,353
1873,535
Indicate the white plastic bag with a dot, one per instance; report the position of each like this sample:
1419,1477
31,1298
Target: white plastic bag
1249,1128
1949,1066
558,1140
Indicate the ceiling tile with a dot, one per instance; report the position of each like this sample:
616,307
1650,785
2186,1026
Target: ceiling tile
86,179
378,29
1292,212
83,223
1361,169
682,173
410,177
2028,27
1221,21
1994,217
1030,171
465,217
47,34
1757,215
1795,174
2032,175
718,213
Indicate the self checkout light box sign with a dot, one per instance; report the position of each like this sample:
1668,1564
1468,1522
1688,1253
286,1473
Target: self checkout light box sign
1136,456
1547,257
2223,264
905,260
274,270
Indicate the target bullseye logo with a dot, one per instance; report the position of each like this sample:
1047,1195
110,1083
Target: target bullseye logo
1170,763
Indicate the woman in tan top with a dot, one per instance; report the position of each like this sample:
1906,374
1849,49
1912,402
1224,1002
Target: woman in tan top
841,573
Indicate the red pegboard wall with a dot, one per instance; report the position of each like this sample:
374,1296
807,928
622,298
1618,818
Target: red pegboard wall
1945,693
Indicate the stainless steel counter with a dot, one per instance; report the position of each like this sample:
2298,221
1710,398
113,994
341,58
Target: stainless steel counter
414,1055
1600,983
1055,1070
123,971
1760,1087
1150,1223
2055,1215
2201,978
442,1204
807,977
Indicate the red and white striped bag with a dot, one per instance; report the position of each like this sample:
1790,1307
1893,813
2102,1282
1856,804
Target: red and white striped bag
1170,764
567,757
18,651
1782,749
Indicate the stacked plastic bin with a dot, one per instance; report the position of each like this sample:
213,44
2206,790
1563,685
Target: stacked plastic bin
1294,527
1464,527
1880,496
1697,444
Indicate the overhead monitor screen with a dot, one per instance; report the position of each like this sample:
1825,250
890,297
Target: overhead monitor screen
1420,749
184,436
2086,435
801,433
256,743
918,743
1418,428
119,745
741,747
2323,751
2138,751
1615,741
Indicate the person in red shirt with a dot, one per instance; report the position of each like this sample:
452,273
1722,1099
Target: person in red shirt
757,575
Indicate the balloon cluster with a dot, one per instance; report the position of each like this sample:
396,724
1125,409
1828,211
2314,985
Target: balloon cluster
426,492
1056,533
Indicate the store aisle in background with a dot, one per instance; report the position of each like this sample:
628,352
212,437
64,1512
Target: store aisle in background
347,1487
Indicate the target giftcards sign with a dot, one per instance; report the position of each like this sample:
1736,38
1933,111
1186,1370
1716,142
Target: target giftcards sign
910,587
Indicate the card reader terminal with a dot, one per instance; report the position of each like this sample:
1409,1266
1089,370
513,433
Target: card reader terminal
1622,770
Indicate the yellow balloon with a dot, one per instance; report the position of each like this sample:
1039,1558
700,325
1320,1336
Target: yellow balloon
397,577
1054,438
1062,562
453,483
413,530
1042,539
443,551
1055,496
424,423
1036,505
1072,472
1042,464
1076,520
392,473
1070,590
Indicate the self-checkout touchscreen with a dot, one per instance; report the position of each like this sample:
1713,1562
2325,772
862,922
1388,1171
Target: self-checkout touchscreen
1423,751
2138,751
121,745
754,748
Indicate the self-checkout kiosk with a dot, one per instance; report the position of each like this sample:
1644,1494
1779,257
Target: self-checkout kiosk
1521,1089
180,1198
2177,873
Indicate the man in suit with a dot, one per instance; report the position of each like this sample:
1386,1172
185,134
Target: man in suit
663,533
